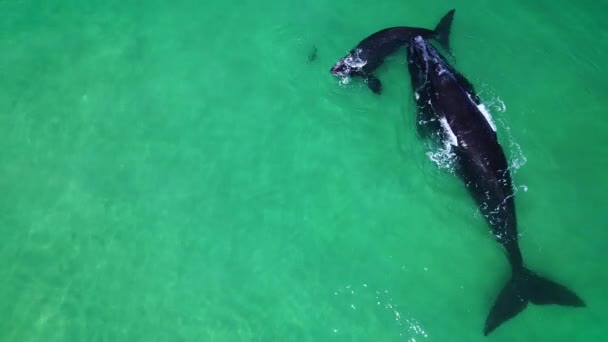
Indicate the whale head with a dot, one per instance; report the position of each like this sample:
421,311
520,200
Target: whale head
426,63
348,65
418,50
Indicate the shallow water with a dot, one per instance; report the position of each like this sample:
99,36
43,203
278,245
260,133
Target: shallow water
181,172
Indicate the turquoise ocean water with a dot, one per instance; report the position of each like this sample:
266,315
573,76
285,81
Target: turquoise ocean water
180,171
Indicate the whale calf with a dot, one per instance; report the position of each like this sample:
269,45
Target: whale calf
370,53
449,109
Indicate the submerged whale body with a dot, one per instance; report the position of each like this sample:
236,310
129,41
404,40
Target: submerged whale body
370,53
449,108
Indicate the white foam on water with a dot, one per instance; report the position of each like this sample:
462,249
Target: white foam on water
448,130
369,298
517,157
416,327
482,108
443,157
344,80
496,104
486,114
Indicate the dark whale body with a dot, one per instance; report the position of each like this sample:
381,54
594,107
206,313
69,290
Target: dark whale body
370,53
449,108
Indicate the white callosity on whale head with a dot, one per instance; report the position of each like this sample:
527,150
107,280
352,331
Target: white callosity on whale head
349,65
441,69
452,139
421,46
416,95
355,61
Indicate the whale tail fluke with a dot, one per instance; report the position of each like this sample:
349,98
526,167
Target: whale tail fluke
523,287
442,31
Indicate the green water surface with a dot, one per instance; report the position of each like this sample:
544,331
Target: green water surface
180,171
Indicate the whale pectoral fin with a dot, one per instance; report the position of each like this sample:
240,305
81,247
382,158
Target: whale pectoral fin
373,83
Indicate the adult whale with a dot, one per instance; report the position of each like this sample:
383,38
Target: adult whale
370,53
448,108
